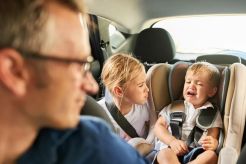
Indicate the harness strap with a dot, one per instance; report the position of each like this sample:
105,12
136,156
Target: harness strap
177,117
121,120
194,137
204,121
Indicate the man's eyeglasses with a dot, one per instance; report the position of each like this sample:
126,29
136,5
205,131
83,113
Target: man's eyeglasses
85,64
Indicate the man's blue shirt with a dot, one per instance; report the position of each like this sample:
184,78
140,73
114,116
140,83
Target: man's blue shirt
90,142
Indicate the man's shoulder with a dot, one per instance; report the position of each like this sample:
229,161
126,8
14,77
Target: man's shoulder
69,144
90,130
92,141
88,126
100,144
92,124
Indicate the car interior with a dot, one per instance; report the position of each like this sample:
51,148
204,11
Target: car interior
154,32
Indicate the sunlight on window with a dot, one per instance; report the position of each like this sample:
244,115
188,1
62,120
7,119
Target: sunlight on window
207,34
116,38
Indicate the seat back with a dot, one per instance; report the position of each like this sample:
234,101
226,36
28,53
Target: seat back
157,81
154,45
92,108
235,114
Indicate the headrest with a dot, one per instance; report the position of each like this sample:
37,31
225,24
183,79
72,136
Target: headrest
221,59
177,79
154,45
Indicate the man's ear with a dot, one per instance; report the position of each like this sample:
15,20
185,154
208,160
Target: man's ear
118,91
212,92
13,74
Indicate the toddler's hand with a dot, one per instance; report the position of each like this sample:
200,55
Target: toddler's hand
179,147
209,143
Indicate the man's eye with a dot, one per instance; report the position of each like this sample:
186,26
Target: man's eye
187,82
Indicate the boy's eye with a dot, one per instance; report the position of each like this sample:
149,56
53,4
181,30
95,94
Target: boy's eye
188,82
200,84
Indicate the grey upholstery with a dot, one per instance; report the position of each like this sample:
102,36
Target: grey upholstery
221,59
154,45
92,108
242,156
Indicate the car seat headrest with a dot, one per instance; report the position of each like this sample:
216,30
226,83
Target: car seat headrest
221,59
154,45
177,79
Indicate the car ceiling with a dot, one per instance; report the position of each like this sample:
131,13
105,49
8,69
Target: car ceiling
135,15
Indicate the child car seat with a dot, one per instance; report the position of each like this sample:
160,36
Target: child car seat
166,82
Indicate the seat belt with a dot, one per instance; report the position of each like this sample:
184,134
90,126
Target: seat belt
121,120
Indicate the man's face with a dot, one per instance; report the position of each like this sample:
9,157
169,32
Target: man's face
59,102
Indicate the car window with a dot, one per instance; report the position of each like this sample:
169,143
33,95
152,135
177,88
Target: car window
116,38
194,35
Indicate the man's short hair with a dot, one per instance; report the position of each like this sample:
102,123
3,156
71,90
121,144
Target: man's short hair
23,22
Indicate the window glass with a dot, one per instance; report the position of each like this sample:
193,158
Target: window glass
207,34
116,38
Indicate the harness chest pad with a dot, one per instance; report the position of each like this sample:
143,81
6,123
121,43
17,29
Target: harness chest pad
206,118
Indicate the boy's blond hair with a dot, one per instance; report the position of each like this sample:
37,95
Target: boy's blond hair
212,70
119,69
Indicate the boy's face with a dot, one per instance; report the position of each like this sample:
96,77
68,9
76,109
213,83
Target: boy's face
137,91
198,88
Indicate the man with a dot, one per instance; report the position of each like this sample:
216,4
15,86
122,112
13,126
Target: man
44,78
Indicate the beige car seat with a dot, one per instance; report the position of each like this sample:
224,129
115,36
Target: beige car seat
166,82
234,117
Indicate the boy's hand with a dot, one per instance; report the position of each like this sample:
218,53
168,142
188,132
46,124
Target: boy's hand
179,147
209,143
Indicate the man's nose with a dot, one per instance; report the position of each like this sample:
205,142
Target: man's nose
89,84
